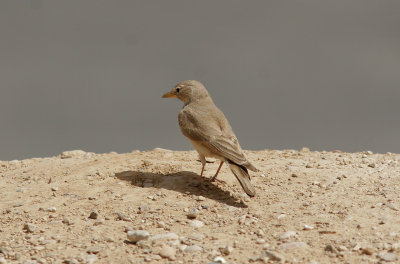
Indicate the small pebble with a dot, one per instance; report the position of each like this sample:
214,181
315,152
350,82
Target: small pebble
200,198
168,252
182,247
29,227
304,149
281,216
368,251
94,214
193,248
91,259
93,250
71,261
72,154
308,227
330,248
219,260
197,237
123,217
99,222
51,209
273,256
67,221
342,248
386,256
160,224
260,241
193,213
227,250
196,223
143,208
137,235
288,234
293,245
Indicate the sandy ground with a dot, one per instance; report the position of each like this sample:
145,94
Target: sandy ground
310,207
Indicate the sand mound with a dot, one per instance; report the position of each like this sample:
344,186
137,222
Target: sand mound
83,207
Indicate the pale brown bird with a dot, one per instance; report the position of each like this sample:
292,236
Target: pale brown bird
210,132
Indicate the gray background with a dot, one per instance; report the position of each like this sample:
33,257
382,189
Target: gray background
89,75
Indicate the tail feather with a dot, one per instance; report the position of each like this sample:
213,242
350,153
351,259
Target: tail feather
243,177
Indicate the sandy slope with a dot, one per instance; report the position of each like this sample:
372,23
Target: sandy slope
349,202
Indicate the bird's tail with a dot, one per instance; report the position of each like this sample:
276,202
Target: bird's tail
243,177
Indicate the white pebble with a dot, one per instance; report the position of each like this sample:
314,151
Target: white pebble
386,256
308,227
168,252
200,198
281,216
288,234
51,209
193,248
196,223
193,213
220,260
137,235
293,245
260,241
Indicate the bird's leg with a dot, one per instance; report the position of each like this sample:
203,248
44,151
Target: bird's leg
214,178
203,164
202,170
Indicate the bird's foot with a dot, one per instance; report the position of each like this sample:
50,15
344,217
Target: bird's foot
207,161
215,180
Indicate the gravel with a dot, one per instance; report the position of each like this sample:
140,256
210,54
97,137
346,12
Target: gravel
315,216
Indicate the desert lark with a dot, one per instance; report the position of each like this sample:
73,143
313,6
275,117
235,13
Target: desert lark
210,132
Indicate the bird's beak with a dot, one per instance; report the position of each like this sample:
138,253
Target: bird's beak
169,95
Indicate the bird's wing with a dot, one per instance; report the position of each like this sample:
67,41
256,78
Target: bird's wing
212,131
229,148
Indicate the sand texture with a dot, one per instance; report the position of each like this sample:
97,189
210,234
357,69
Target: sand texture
149,207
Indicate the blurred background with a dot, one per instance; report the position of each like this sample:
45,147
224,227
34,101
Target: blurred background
90,74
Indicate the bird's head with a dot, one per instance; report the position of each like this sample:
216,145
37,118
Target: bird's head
188,91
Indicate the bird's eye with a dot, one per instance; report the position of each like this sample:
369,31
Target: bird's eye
177,90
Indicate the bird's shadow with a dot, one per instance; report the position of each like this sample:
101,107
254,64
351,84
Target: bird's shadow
185,182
